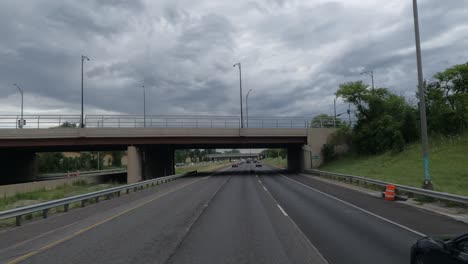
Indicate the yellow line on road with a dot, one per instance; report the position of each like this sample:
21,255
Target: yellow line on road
28,255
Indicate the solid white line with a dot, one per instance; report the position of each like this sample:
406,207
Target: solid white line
265,188
282,210
358,208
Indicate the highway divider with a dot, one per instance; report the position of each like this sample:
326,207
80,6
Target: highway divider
401,189
18,213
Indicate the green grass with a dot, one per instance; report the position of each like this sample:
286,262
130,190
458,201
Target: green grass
202,167
22,199
275,162
448,165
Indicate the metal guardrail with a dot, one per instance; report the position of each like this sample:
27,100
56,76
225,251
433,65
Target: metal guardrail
166,121
46,206
407,189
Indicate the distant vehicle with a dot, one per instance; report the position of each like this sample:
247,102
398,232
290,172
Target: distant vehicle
258,165
248,162
180,164
235,165
437,251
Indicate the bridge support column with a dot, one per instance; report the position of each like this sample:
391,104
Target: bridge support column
134,165
158,161
295,158
17,166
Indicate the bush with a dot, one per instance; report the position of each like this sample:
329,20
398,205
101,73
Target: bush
328,152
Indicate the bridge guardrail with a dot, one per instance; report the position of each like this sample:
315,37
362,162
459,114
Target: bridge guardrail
407,189
46,206
166,121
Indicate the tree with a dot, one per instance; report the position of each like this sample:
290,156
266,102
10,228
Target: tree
385,120
447,100
326,121
67,124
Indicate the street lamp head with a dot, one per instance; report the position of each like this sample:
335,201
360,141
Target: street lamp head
83,57
237,64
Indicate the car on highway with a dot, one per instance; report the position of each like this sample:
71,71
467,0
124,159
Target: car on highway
235,165
431,250
258,165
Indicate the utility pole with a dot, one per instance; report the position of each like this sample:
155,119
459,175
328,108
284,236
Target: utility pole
83,57
422,102
144,106
334,108
21,123
247,106
240,88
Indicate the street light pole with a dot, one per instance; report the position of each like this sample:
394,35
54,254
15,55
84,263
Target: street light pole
422,102
83,57
240,88
334,108
144,106
247,106
371,74
21,92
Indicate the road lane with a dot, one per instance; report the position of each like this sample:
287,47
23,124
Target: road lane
233,217
147,233
243,224
426,222
341,233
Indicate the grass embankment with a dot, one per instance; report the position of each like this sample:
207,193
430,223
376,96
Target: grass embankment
39,196
448,165
202,167
276,162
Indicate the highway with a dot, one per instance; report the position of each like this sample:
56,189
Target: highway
238,215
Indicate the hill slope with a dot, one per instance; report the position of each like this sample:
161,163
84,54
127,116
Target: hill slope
448,161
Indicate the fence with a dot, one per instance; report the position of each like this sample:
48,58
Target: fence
166,121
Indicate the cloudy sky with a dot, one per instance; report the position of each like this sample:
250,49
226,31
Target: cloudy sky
294,53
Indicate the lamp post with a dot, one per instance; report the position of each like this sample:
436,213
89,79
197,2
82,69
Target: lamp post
334,108
21,92
240,88
422,103
83,57
144,106
371,74
247,106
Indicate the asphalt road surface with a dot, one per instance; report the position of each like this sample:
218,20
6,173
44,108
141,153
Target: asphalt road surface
240,215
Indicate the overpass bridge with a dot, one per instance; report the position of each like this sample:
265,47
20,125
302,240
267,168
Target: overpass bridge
151,148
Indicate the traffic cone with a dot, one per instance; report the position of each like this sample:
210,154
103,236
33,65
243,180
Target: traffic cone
390,192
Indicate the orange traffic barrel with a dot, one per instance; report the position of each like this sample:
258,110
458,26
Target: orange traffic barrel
390,192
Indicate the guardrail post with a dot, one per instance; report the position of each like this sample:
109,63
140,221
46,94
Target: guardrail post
127,191
65,207
18,220
38,118
96,200
83,203
45,213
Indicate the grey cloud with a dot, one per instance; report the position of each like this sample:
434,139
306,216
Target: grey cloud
183,51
